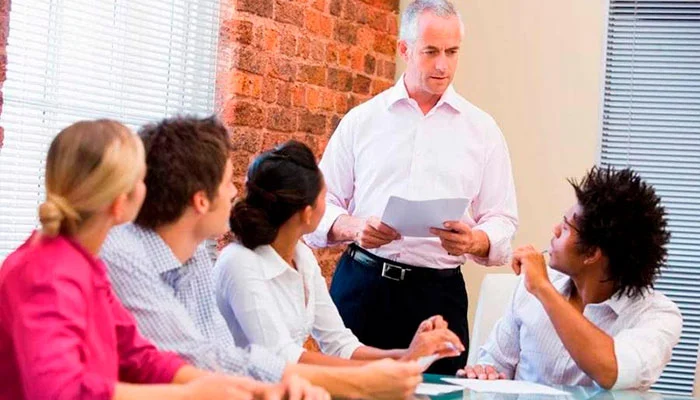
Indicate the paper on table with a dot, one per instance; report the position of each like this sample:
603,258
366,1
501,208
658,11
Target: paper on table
505,386
434,389
416,217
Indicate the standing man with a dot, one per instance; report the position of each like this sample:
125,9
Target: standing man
418,140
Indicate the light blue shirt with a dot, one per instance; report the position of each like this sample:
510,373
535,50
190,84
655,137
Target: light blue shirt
174,304
525,346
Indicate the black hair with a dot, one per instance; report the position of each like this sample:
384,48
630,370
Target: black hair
280,183
623,217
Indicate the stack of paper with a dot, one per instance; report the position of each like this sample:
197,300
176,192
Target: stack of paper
434,389
505,386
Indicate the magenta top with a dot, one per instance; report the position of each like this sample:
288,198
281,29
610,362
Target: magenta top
63,332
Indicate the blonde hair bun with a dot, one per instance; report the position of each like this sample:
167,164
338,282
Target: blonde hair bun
53,212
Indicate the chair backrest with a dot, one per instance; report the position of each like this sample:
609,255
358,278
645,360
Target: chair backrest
494,298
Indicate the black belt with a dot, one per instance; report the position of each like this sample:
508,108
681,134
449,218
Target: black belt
397,271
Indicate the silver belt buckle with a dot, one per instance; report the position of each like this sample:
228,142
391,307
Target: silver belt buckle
387,268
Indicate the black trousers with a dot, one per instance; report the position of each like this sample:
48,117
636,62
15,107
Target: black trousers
384,313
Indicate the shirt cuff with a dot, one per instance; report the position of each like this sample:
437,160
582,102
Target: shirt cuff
627,366
499,243
349,349
265,366
319,238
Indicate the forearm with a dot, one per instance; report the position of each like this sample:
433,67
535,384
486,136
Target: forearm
188,373
316,358
127,391
373,353
481,245
345,229
591,349
344,382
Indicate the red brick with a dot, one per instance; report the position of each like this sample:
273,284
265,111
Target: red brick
245,139
303,47
281,119
389,70
241,160
298,96
243,113
283,69
332,53
237,31
249,60
262,8
317,23
379,86
317,51
355,11
336,7
326,26
385,44
320,5
244,84
2,136
313,98
345,56
288,44
289,13
328,100
312,123
377,19
358,59
361,84
370,64
269,93
284,94
335,120
339,79
391,5
392,24
345,32
312,74
341,103
365,37
270,39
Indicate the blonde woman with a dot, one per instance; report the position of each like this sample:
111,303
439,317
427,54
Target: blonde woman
63,333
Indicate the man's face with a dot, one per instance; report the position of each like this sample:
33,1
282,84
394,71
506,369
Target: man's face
432,60
217,219
563,252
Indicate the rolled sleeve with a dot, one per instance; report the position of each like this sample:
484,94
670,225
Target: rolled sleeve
319,238
643,351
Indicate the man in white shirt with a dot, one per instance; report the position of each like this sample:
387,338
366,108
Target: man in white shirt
418,140
594,318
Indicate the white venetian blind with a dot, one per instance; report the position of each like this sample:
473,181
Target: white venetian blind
135,61
652,124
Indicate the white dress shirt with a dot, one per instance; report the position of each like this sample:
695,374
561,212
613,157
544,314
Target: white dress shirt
267,303
387,146
525,346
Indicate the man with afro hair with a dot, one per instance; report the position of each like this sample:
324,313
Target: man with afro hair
593,317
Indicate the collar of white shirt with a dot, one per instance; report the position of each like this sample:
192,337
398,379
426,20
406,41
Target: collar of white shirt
615,303
273,264
398,93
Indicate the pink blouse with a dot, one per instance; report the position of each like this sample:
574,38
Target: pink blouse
63,332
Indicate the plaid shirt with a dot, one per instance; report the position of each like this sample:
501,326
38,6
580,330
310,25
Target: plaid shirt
175,306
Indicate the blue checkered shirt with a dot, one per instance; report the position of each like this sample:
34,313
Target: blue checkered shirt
175,305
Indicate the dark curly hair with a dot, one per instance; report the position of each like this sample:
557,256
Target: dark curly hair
280,183
623,217
184,155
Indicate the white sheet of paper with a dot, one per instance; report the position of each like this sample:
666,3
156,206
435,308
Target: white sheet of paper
505,386
434,389
416,217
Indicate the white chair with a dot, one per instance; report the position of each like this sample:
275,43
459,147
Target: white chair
494,298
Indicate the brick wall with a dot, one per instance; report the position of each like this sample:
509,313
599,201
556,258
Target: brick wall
292,69
4,29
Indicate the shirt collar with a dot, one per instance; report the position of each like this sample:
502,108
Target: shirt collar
158,251
273,264
450,98
616,303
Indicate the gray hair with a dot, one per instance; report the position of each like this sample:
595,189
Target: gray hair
409,18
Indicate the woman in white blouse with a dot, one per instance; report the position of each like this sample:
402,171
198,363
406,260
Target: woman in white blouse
269,285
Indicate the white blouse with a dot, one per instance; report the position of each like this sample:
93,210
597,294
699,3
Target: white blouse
266,302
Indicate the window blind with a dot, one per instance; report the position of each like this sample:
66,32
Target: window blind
135,61
651,122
